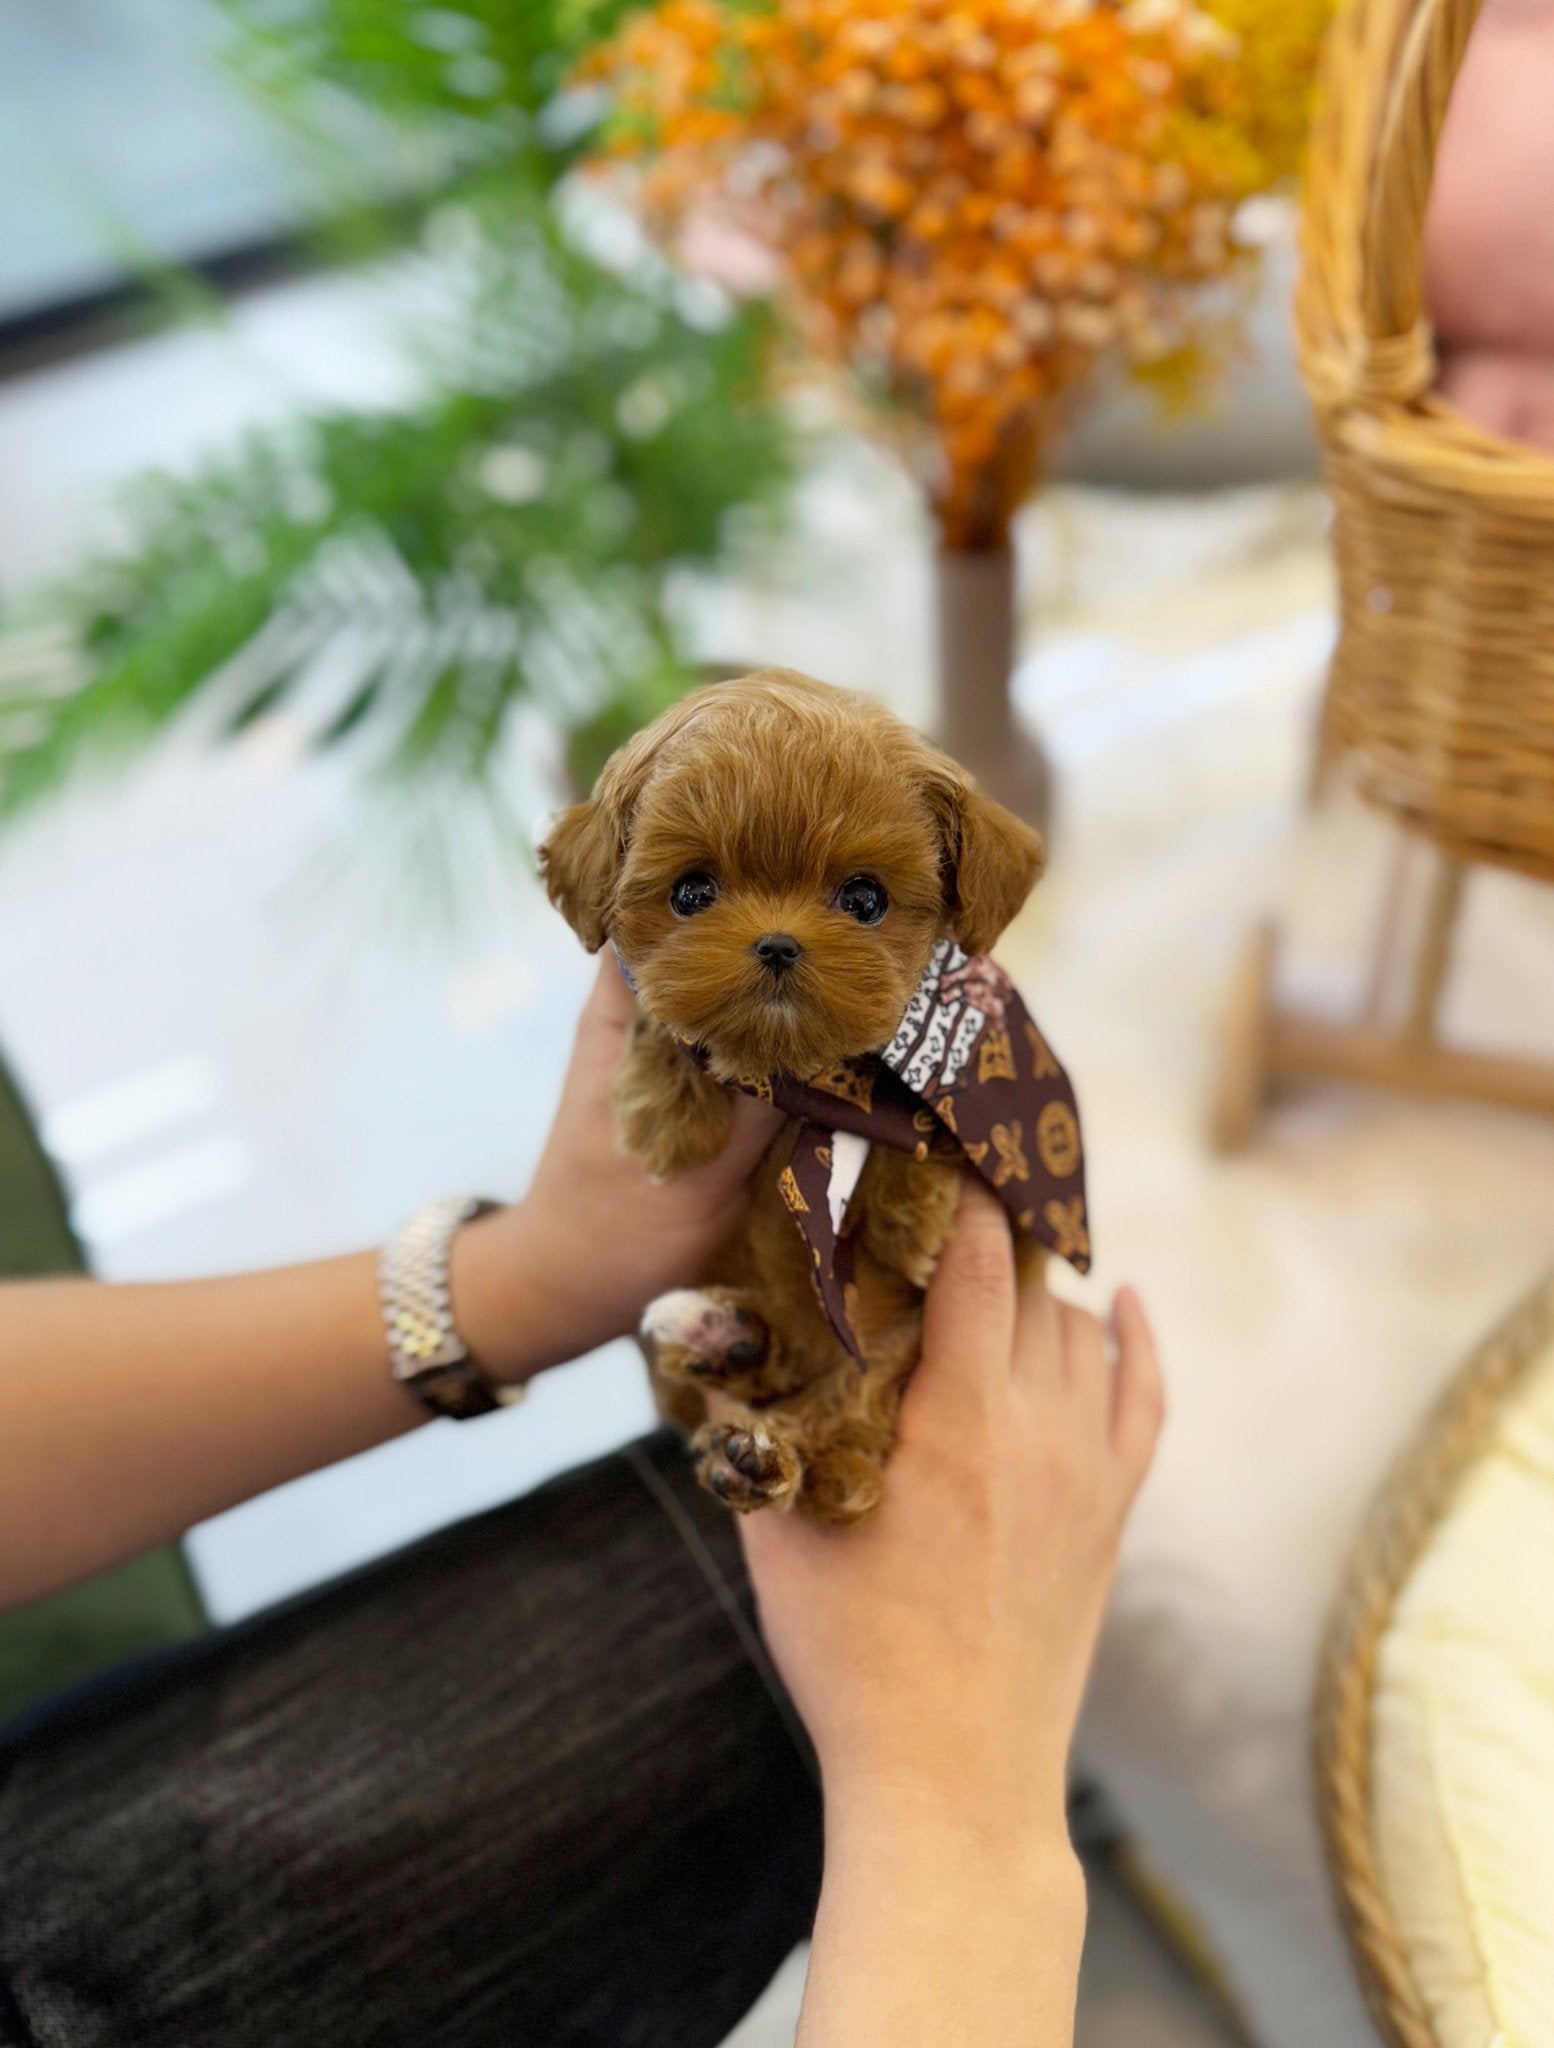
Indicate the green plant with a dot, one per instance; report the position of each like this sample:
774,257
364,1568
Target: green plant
412,579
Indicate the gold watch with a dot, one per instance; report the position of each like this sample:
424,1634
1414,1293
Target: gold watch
426,1353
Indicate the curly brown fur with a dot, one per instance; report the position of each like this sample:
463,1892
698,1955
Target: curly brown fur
780,789
671,1114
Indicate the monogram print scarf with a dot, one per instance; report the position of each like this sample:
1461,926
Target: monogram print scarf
967,1077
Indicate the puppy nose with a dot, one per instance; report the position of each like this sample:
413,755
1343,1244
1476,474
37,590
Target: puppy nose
777,952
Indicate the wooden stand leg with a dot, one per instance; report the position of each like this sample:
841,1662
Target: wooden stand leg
1266,1047
1325,750
1389,929
1242,1083
1434,962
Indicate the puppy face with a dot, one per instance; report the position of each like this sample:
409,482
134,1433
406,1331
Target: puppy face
774,861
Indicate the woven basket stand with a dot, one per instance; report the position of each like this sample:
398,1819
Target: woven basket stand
1441,690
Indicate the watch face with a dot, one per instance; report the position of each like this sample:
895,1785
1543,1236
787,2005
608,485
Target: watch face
459,1391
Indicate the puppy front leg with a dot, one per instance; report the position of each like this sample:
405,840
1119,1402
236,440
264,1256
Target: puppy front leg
671,1115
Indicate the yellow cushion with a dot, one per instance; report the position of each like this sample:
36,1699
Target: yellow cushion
1463,1741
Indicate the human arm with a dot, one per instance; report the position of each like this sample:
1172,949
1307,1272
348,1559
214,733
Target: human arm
129,1412
938,1655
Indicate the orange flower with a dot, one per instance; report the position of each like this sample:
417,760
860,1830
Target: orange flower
971,202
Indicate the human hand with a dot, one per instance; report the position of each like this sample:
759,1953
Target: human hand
594,1240
939,1652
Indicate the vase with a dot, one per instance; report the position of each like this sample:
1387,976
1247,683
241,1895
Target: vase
974,592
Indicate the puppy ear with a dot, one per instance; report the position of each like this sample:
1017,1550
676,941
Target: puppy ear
990,859
584,851
581,863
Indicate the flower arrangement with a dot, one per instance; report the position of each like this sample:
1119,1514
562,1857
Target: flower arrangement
969,205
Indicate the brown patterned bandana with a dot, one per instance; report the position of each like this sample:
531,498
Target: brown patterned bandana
967,1076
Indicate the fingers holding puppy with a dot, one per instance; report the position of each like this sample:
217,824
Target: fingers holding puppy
1138,1391
1098,1386
962,1372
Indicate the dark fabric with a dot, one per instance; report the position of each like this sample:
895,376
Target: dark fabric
137,1606
967,1076
527,1783
35,1232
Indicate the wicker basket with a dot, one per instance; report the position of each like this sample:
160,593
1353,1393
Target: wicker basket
1401,1523
1443,680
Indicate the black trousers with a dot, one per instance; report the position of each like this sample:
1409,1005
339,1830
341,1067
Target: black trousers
531,1784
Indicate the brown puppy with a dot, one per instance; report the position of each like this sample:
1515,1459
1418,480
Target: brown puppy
775,861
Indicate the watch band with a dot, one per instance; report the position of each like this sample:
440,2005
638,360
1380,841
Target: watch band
426,1353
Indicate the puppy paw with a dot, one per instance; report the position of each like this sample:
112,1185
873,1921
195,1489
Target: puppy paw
708,1336
747,1469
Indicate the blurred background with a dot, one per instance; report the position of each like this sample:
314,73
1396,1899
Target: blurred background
242,354
367,470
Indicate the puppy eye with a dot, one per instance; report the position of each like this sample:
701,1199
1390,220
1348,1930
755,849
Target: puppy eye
863,898
692,893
